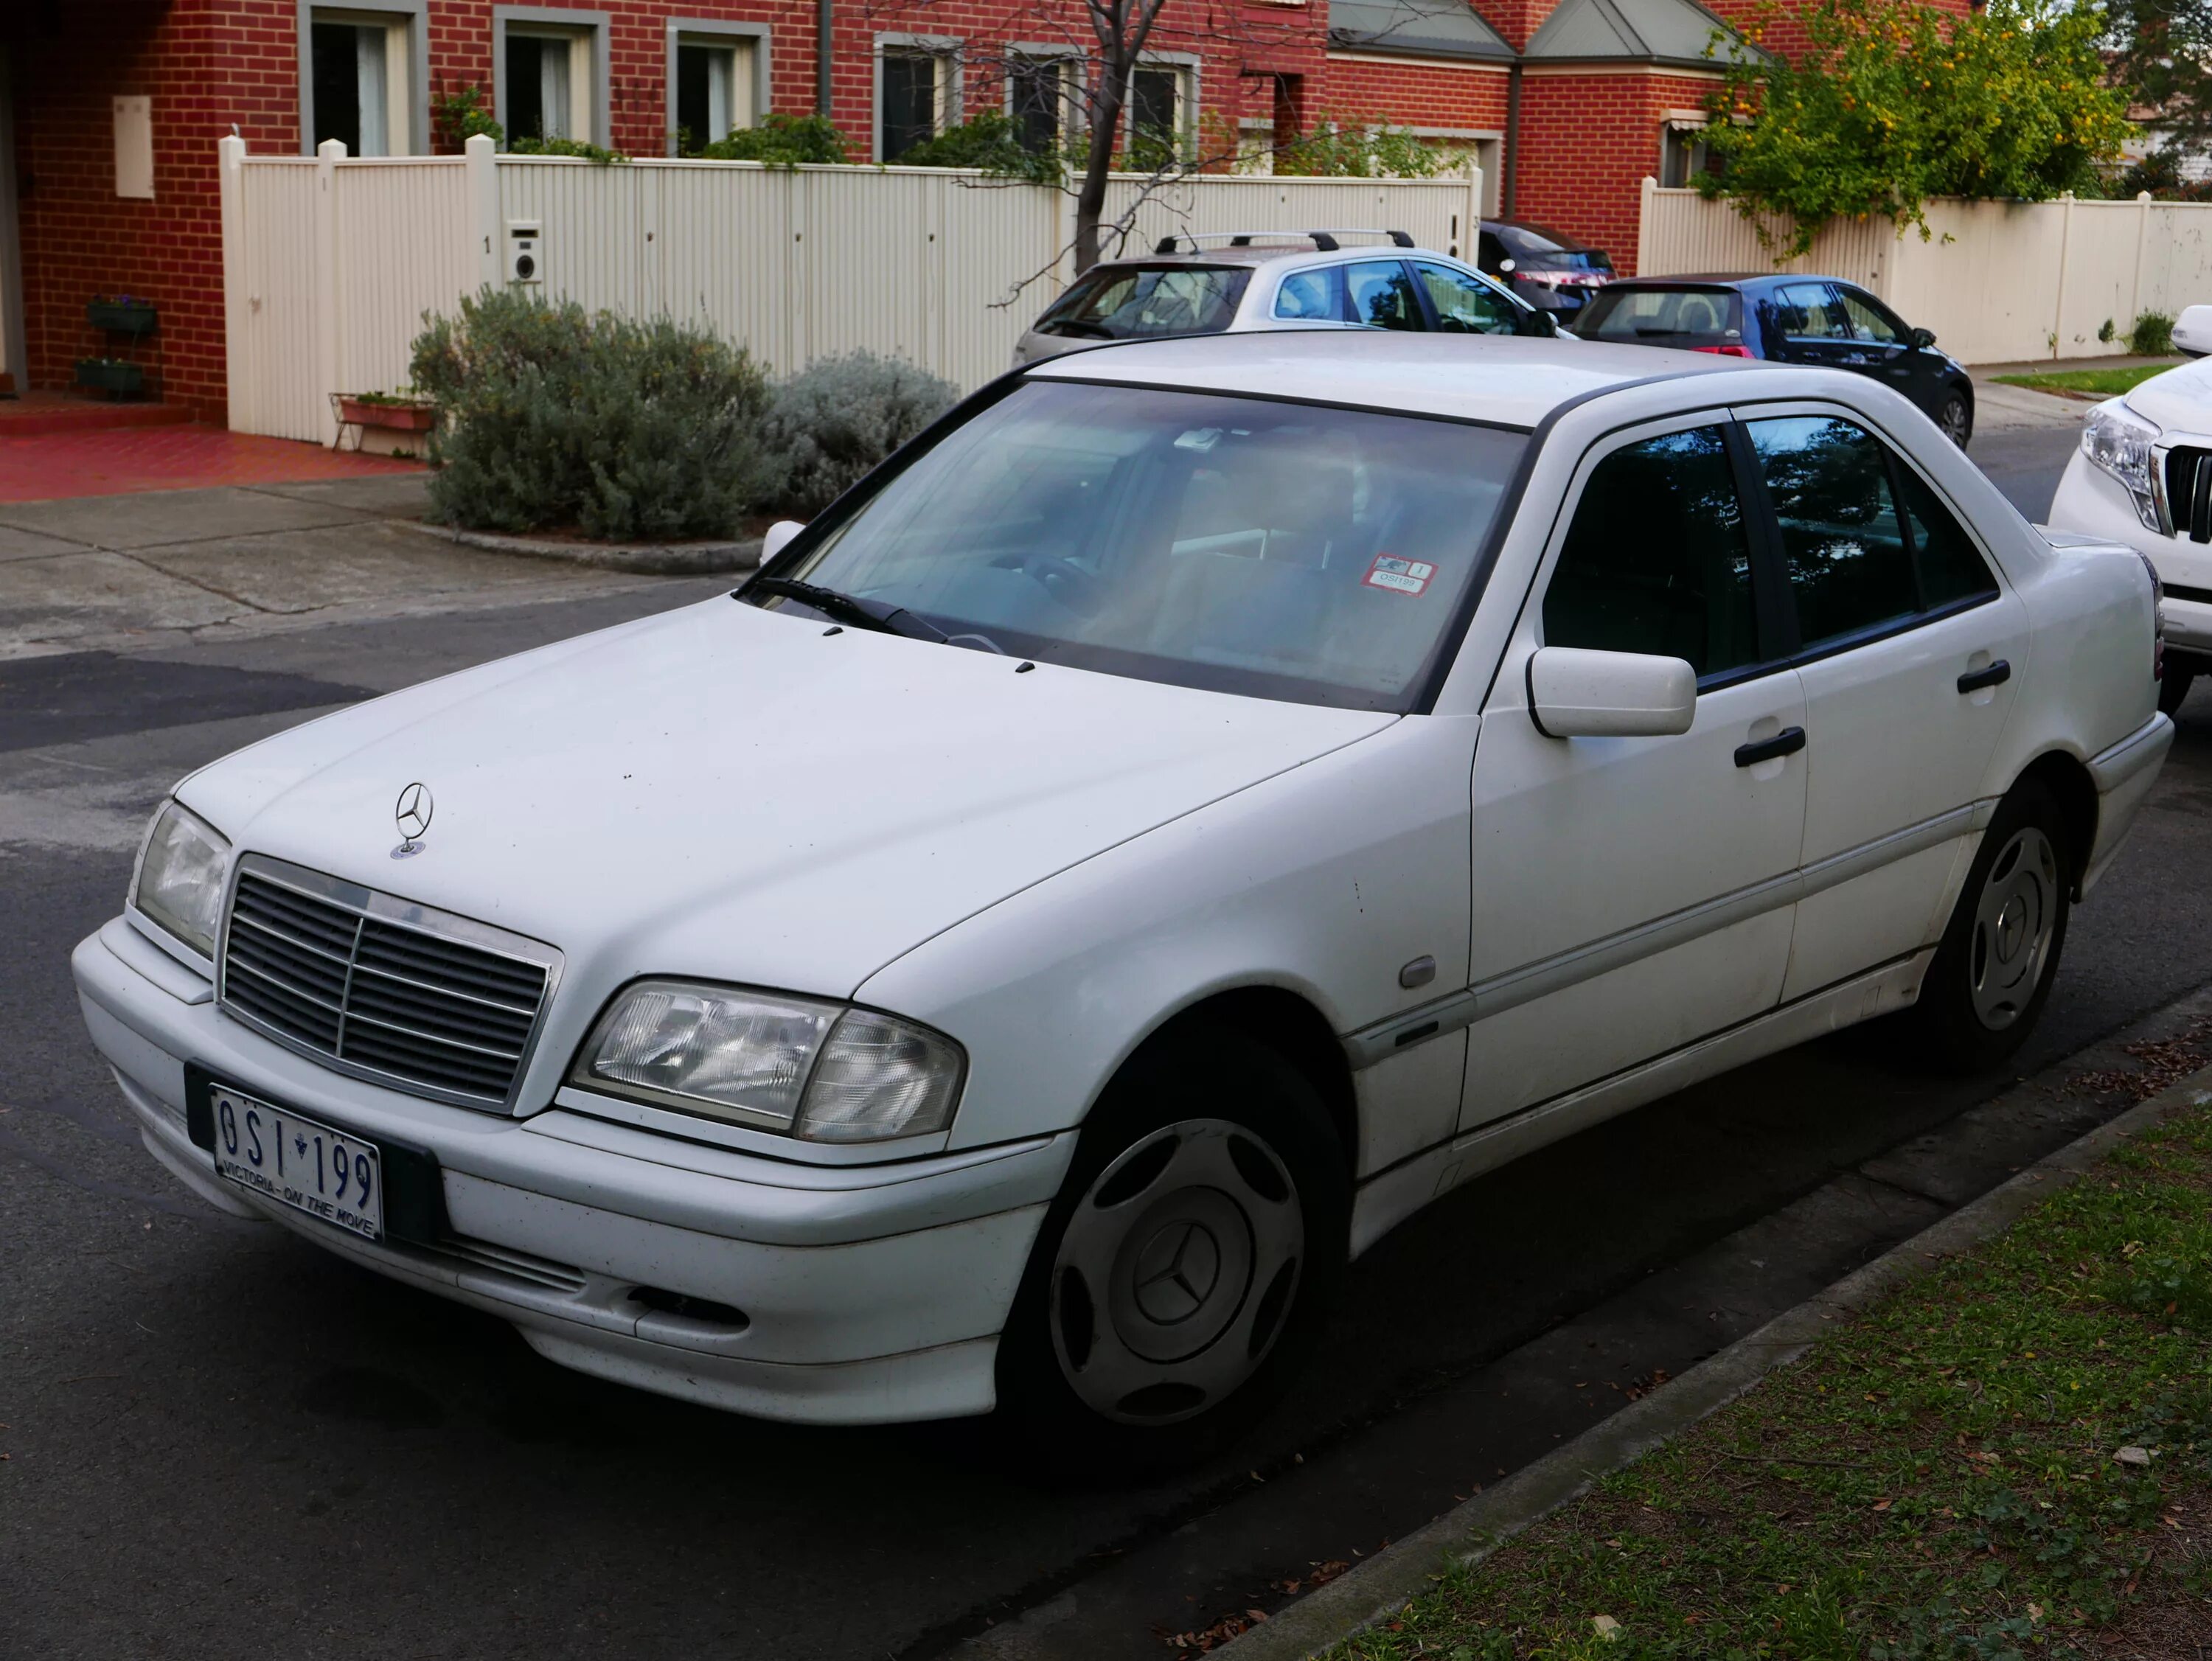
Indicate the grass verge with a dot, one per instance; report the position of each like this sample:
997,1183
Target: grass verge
2012,1458
2089,382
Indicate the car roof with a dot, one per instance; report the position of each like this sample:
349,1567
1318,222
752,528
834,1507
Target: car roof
1725,279
1265,253
1512,380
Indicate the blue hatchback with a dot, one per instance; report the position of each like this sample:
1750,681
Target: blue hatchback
1792,320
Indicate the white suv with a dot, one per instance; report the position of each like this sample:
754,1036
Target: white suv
1254,280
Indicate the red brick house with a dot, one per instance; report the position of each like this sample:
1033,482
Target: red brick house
110,109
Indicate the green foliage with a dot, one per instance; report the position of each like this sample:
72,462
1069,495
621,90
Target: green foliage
839,417
782,141
2153,335
2161,53
1361,149
553,418
2159,173
992,142
459,116
1892,102
575,147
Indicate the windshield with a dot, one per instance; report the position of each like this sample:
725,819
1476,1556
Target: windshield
1129,302
1312,555
1664,317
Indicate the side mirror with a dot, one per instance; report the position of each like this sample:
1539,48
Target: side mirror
1544,325
1922,339
2193,331
1574,693
778,538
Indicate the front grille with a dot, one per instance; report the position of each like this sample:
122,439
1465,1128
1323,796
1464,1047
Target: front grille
2189,492
380,986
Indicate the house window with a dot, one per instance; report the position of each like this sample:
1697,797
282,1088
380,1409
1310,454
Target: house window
1160,109
551,83
715,85
1039,91
360,65
917,92
1683,154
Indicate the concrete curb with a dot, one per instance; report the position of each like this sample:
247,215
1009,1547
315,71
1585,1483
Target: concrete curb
1385,1583
640,559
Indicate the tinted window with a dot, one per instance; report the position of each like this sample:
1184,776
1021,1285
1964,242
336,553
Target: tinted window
1381,296
1656,559
1125,302
1312,295
1274,549
1664,317
1951,567
1464,306
1491,251
1842,543
1809,311
1866,321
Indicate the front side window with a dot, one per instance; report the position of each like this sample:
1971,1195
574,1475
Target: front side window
713,90
1131,302
1656,558
1464,306
359,65
1381,295
1866,321
1843,542
1316,555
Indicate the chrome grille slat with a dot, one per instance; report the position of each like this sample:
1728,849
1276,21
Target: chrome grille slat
371,985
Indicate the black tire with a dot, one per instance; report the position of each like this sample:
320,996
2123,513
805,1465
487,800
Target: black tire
1983,995
1223,1096
2173,687
1955,415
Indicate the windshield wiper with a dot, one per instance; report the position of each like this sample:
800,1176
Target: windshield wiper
1081,326
868,614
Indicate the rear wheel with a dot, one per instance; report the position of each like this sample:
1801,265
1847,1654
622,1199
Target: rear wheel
1992,974
1186,1267
1956,417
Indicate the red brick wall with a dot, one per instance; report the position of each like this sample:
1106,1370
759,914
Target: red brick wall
1587,142
1410,94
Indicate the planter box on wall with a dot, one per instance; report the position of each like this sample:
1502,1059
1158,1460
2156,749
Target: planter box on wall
118,319
388,429
106,375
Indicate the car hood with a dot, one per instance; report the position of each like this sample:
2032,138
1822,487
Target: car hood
2180,398
735,793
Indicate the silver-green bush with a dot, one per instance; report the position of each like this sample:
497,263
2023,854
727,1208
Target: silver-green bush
837,418
552,417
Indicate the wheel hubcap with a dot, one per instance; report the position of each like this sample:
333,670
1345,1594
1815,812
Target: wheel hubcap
1175,1272
2014,921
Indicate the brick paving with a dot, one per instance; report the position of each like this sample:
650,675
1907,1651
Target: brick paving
115,462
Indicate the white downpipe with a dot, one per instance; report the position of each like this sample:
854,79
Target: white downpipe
239,372
328,154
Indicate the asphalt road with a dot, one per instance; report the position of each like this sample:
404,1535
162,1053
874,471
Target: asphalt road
220,1442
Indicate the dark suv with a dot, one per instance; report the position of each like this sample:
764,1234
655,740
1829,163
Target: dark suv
1792,320
1549,269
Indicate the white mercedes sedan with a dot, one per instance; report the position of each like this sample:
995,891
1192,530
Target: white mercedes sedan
1196,805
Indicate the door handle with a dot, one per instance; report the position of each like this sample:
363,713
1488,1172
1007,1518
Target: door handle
1995,676
1787,741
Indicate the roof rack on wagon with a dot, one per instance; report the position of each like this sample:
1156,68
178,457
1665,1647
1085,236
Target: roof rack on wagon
1326,241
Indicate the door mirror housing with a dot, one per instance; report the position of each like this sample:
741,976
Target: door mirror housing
1538,323
1922,339
1578,693
778,538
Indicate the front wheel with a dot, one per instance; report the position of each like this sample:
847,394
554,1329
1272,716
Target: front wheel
1192,1256
1992,974
1956,417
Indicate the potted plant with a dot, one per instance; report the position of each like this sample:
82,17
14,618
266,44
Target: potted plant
115,375
389,423
121,314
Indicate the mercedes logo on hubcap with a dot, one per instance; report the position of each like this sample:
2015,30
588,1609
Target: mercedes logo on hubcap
412,816
1177,1273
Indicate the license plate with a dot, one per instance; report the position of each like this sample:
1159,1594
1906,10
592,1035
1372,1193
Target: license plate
299,1162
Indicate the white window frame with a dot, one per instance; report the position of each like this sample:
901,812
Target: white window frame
1186,125
1070,60
951,100
718,32
586,33
406,82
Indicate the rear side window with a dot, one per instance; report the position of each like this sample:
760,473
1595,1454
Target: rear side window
1131,302
1664,317
1657,559
1312,296
1951,567
1381,296
1810,311
1842,542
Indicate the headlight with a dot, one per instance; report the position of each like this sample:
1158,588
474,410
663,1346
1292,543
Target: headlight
818,1071
2119,440
180,876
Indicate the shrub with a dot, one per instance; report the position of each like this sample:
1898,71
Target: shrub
840,416
2153,335
1361,149
553,417
989,140
782,141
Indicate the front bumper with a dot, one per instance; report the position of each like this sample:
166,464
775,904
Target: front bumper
2092,501
863,1293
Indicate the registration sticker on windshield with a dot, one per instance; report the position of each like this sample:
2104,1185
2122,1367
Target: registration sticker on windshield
1399,576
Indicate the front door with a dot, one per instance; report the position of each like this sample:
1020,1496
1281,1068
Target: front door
1631,895
1907,646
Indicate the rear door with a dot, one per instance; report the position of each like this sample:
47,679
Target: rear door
1907,646
1379,293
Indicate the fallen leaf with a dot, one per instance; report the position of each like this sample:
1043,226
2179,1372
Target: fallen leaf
2133,1456
1607,1627
1881,1505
